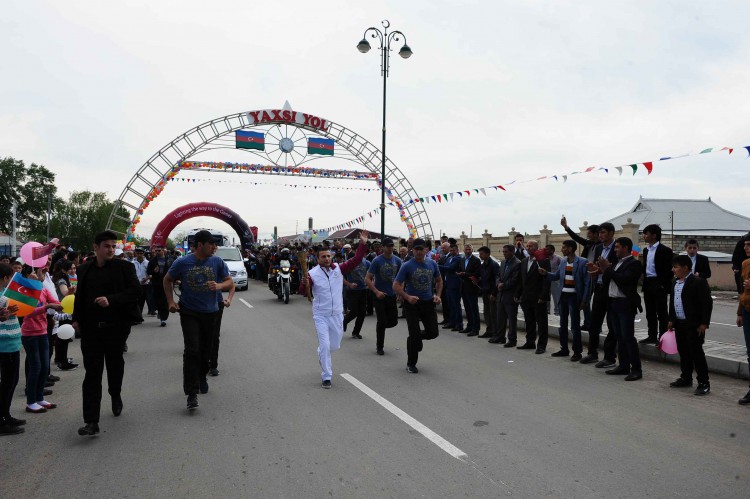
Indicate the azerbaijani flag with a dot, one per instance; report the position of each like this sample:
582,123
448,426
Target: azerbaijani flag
250,140
23,292
320,146
636,251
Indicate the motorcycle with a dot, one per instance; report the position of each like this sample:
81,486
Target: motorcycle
281,282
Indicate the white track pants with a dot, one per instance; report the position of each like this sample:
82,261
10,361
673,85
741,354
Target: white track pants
330,331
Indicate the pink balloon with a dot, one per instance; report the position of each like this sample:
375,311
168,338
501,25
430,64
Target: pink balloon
668,343
27,256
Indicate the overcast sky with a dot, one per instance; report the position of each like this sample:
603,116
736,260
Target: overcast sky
495,92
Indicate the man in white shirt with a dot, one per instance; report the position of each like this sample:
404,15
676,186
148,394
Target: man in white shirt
141,272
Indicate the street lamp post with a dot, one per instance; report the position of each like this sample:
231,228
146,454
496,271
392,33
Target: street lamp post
385,38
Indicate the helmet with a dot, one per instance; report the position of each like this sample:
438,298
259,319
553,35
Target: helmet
285,251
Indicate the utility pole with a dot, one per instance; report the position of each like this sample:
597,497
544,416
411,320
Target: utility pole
14,208
49,213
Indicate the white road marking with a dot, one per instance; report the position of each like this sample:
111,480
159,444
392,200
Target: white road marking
426,432
246,303
722,324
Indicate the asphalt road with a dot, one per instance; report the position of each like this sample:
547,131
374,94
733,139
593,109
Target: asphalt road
477,421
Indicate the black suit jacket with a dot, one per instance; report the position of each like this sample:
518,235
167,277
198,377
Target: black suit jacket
702,267
123,297
490,270
626,277
663,265
696,302
473,269
533,286
509,275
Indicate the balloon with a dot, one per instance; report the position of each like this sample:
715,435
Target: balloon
27,255
65,332
668,343
67,304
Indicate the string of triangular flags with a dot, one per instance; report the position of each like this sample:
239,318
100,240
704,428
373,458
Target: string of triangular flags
302,171
249,182
648,166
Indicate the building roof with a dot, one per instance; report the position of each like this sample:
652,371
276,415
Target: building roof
691,217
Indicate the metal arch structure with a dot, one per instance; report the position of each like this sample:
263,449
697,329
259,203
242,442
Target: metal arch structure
217,134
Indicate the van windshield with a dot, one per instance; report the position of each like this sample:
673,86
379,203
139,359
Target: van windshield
229,254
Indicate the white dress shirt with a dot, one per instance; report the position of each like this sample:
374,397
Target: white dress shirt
650,263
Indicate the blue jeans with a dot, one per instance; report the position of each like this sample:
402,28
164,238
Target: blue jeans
37,355
570,306
623,319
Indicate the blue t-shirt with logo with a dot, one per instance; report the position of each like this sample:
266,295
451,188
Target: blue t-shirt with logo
194,276
357,276
418,278
384,271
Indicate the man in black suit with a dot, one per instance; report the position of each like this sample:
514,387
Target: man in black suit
106,305
701,267
489,272
600,303
445,248
690,307
657,282
621,281
470,270
507,306
533,295
450,270
520,249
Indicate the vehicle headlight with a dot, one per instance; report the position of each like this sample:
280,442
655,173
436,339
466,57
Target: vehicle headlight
242,273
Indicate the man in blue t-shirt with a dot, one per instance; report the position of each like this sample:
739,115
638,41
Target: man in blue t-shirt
201,275
357,297
414,283
380,276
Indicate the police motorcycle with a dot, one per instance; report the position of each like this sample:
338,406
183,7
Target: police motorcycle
280,281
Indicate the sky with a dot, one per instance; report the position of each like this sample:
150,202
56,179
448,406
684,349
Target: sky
495,92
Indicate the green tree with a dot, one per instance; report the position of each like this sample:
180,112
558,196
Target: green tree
85,213
29,187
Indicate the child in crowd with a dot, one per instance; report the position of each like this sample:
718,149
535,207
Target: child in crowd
10,357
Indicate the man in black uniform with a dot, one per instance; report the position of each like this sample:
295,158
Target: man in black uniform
106,306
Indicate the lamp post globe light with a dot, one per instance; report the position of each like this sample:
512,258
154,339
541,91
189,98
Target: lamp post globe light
385,38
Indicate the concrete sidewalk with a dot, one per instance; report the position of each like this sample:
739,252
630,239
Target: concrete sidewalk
722,358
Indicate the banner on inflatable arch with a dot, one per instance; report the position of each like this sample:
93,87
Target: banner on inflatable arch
248,235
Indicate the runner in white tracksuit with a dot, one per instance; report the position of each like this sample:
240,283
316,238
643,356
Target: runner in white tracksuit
328,309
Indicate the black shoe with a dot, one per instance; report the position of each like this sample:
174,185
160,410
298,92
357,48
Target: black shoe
358,336
66,366
448,326
163,324
465,331
473,333
561,353
6,429
203,386
485,335
152,314
634,376
605,364
456,329
213,372
497,339
412,369
380,351
15,422
124,347
192,402
53,378
442,323
527,346
585,327
702,389
89,430
116,406
650,339
510,344
326,384
745,400
49,383
681,383
540,350
618,371
589,359
576,357
47,391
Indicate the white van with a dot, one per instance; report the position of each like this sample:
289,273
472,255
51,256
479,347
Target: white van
233,258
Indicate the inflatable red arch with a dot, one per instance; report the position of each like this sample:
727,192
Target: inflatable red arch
247,234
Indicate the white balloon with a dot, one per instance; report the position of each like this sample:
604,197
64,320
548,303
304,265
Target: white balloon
66,332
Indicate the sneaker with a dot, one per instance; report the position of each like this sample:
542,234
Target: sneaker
53,378
605,364
590,359
576,357
326,384
702,389
412,369
213,372
163,324
89,430
192,402
204,386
